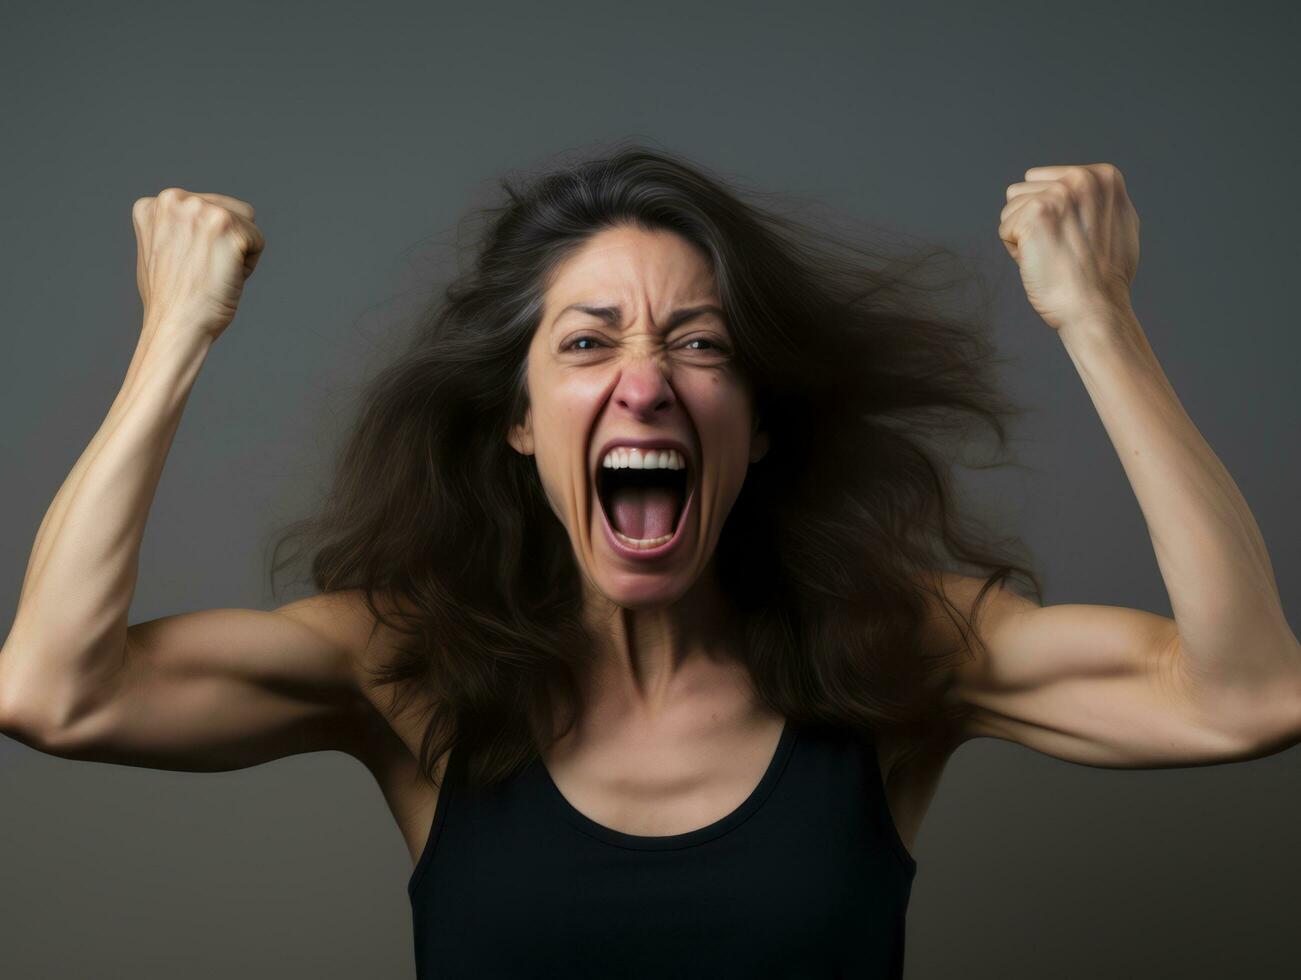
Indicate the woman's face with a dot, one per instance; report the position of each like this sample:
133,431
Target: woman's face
655,369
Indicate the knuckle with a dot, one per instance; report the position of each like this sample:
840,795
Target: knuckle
216,217
171,196
1077,178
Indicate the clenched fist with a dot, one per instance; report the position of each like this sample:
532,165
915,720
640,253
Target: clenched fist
194,253
1073,233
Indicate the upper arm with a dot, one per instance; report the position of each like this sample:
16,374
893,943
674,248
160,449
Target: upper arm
223,689
1094,684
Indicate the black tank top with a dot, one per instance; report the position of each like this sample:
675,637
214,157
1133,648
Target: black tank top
806,878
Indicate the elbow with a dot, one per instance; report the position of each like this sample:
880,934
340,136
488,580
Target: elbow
1288,729
15,713
1290,712
1270,721
33,716
41,735
1255,712
1283,732
21,724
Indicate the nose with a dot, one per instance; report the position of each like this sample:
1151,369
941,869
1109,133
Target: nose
643,389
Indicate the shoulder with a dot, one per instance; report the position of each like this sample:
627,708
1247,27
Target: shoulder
347,622
963,612
363,645
965,620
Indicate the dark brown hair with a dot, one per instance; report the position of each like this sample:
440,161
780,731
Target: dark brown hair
865,387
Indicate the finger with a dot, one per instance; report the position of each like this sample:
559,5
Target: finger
1010,221
1011,249
1048,173
241,208
253,242
1027,187
142,218
1015,205
142,213
1007,232
252,235
1097,169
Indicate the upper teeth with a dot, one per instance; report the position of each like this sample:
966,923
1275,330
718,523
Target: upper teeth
643,459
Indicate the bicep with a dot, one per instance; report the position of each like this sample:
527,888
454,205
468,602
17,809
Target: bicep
1093,684
221,689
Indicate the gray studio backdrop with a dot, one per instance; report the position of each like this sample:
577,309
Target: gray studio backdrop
361,134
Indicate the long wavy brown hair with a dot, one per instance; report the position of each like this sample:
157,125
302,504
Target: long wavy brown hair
867,388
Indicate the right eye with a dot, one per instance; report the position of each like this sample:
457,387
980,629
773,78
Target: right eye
573,344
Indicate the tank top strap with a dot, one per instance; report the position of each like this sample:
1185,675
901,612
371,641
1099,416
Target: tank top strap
807,877
875,782
453,776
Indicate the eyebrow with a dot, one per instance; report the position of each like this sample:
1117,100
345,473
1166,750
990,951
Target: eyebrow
612,314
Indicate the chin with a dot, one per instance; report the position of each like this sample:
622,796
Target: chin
642,590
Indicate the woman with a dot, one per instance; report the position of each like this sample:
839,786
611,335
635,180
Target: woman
643,591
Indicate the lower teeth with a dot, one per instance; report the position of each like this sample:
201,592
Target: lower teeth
641,542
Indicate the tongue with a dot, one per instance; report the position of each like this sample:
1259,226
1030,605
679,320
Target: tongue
644,512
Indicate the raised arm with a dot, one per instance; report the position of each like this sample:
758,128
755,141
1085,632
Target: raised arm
215,689
1107,685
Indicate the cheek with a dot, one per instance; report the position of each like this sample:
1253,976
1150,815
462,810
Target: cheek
554,464
719,407
559,435
721,412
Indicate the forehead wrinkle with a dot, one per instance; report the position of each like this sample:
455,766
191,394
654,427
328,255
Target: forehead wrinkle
613,315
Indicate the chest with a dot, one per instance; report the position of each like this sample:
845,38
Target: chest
655,784
794,870
642,785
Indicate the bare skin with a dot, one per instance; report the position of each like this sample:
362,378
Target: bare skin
674,738
701,760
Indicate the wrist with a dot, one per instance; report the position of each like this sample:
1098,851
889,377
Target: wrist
1106,324
169,338
166,354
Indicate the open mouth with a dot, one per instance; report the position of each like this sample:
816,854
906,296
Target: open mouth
643,507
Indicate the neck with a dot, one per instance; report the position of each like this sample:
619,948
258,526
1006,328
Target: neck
646,659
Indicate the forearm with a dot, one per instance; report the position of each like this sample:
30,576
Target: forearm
1210,552
70,626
